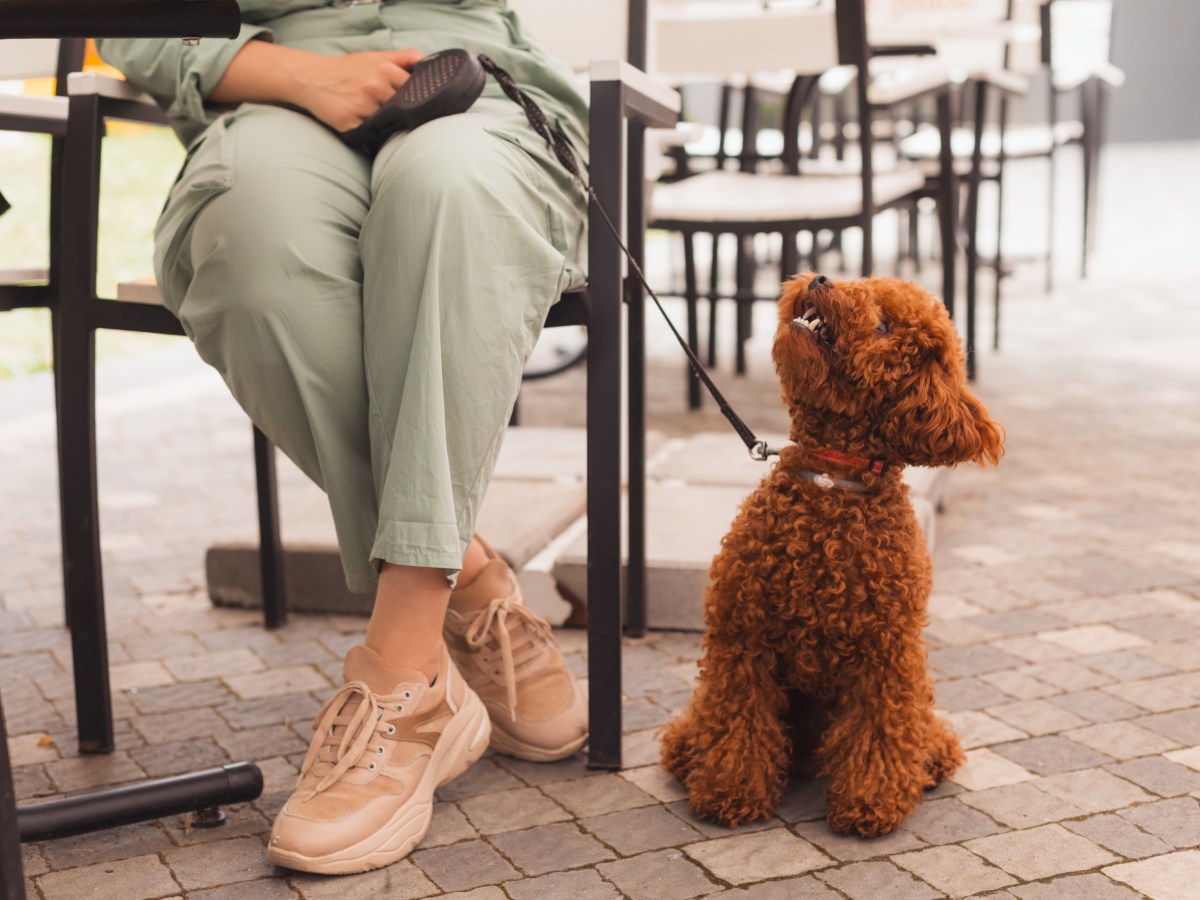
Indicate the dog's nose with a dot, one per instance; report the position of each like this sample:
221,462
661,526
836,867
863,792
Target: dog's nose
818,282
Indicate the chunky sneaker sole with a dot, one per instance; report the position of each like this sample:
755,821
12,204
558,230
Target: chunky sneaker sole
463,741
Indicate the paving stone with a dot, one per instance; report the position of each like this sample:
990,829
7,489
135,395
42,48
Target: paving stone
178,758
256,743
448,826
1170,877
978,729
985,769
31,781
953,870
1161,776
219,863
1093,790
183,725
464,866
583,884
1075,887
959,662
1094,639
1182,725
1096,706
634,831
1022,805
1032,649
851,848
110,845
1189,756
538,773
399,881
144,674
30,749
709,829
282,709
596,796
968,693
949,821
1019,685
277,681
872,880
1047,755
93,771
1066,675
550,848
745,858
173,697
1150,695
1175,821
511,810
806,887
484,777
659,875
129,879
1126,665
260,889
1122,740
214,664
656,782
483,893
1040,852
1036,717
1118,835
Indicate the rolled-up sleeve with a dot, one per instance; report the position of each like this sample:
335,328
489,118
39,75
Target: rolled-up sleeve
179,77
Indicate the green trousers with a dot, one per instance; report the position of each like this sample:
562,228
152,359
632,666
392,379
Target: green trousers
373,318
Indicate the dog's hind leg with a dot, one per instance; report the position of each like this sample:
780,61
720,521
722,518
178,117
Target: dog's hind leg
728,748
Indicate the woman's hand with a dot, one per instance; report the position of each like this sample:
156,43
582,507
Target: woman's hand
341,91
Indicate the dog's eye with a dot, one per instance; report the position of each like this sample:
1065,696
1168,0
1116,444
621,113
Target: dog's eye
883,327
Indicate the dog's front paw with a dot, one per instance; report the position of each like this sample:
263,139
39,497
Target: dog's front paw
729,808
945,756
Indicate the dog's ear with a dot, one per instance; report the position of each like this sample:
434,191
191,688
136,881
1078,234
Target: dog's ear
937,421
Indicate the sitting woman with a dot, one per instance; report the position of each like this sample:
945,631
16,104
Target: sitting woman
373,317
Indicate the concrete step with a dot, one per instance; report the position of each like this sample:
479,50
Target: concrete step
534,516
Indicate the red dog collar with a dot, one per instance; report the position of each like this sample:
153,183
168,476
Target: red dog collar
874,464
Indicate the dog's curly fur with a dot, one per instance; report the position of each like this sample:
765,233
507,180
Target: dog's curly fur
813,649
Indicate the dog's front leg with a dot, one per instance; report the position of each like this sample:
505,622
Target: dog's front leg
876,751
728,747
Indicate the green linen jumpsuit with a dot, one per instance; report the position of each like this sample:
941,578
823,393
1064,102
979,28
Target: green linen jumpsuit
372,317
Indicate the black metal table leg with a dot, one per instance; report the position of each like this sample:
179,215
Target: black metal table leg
270,541
635,587
604,436
947,201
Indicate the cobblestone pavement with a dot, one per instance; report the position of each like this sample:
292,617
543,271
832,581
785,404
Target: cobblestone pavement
1065,634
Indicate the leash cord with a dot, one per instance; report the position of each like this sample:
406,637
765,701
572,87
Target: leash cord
562,151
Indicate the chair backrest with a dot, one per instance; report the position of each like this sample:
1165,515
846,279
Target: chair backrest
1080,34
28,59
577,33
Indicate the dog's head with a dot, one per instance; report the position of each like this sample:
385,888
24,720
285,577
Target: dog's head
875,365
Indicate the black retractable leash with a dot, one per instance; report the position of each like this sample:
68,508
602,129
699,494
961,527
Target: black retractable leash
449,82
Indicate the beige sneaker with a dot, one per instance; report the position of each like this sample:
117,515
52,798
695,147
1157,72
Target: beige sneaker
508,655
383,744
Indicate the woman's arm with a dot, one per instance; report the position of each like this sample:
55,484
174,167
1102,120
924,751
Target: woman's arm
341,91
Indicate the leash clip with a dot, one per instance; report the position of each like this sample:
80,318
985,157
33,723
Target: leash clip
760,452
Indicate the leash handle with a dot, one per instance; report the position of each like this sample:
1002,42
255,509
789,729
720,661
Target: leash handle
537,119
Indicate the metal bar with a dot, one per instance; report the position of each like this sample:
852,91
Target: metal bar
238,782
693,324
947,202
270,541
973,222
74,360
118,18
713,296
635,298
33,124
12,875
123,315
604,431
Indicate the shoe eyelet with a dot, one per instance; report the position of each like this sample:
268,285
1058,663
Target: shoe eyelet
399,707
495,671
391,729
379,750
372,767
408,695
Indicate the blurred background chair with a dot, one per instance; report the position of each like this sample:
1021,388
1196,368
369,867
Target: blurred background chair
791,193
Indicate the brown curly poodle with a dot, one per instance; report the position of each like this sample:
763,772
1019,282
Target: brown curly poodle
812,650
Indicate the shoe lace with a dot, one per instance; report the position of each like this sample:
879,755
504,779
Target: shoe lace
345,728
516,651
